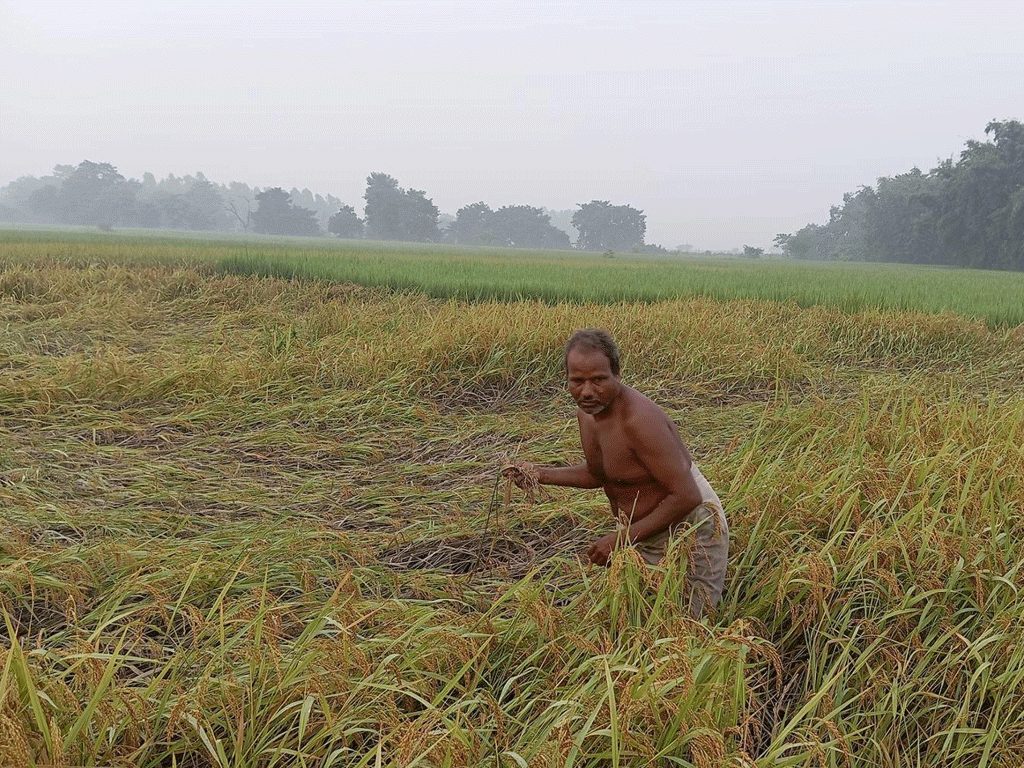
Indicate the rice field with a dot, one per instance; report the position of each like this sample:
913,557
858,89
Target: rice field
504,274
248,520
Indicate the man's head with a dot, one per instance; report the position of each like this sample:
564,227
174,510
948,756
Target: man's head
594,340
592,370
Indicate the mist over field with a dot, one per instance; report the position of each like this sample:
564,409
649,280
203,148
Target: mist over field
725,123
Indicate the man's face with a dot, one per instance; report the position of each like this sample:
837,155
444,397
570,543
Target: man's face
591,382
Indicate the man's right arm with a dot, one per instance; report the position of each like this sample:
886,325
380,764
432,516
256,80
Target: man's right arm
578,476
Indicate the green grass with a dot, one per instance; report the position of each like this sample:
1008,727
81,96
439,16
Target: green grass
444,271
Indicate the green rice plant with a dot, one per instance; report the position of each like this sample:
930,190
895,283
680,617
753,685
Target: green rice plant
481,274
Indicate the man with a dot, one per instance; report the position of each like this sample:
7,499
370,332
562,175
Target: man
633,450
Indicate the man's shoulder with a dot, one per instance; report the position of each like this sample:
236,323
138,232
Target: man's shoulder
642,413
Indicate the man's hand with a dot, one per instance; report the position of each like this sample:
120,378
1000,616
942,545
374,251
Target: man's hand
600,552
522,473
525,475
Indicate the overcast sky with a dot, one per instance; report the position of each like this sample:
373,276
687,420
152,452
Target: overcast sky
725,122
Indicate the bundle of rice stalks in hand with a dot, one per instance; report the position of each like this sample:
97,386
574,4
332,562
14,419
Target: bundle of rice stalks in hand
524,475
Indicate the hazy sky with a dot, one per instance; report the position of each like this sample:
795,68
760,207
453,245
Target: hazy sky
726,122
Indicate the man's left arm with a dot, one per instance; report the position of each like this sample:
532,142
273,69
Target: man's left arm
656,447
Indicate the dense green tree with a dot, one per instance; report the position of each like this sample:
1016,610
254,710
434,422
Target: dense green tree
275,215
45,202
420,218
512,226
901,221
523,226
979,212
383,213
472,225
394,214
968,212
810,242
95,193
606,227
345,223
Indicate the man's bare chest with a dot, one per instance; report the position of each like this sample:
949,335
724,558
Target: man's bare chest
608,449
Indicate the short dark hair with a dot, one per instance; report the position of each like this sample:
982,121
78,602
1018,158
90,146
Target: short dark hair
596,339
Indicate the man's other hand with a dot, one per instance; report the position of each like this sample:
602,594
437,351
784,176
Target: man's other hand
600,552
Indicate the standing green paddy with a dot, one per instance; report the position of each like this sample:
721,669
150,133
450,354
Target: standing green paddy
480,274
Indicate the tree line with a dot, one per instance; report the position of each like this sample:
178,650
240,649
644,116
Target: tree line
97,194
968,212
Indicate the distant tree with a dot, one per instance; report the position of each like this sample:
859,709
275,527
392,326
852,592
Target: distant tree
237,201
148,214
206,204
18,193
807,243
981,211
345,223
322,207
472,225
45,202
325,207
11,215
304,198
523,226
900,220
967,212
603,226
275,215
173,210
385,201
95,193
444,226
750,252
651,249
173,185
512,226
419,221
849,227
394,214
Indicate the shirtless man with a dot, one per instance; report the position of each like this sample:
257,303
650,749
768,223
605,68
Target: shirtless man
633,450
